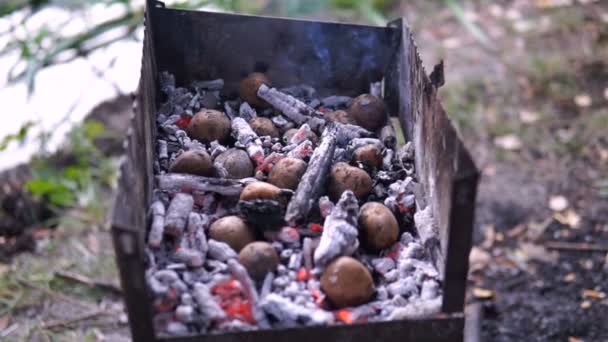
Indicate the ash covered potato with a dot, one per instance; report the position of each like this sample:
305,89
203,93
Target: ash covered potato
369,155
287,173
378,226
233,231
195,162
259,258
345,177
209,125
346,282
264,126
340,116
261,190
248,89
368,112
235,162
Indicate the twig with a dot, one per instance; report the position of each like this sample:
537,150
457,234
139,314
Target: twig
54,294
576,246
88,281
67,322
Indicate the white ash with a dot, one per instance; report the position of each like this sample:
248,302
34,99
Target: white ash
157,228
177,214
177,329
383,265
281,122
339,231
302,151
245,136
289,314
220,251
417,309
301,134
425,224
184,313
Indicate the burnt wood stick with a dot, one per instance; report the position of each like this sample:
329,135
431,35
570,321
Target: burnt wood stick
311,185
296,110
245,135
176,182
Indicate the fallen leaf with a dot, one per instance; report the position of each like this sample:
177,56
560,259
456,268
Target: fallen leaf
490,236
574,339
594,294
570,277
3,268
558,203
585,304
481,293
582,100
538,252
478,259
528,117
517,230
509,142
5,321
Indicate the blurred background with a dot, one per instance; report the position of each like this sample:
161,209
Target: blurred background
526,86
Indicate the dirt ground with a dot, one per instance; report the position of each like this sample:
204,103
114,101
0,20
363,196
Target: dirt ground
531,102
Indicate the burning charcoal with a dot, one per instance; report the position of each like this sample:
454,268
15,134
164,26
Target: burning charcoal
220,251
339,116
429,289
264,127
163,154
296,110
263,190
289,235
383,265
368,112
344,177
312,182
287,173
303,133
288,314
417,309
207,305
337,101
234,163
401,197
379,227
405,287
216,84
282,123
195,162
184,313
368,155
177,214
339,231
302,151
259,258
248,89
247,113
245,136
388,136
157,228
209,125
182,182
240,273
233,231
346,282
177,329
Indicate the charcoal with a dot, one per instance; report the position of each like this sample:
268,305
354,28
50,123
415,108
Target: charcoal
184,313
417,309
429,289
245,136
157,228
177,329
267,285
388,136
339,231
178,182
289,314
177,214
375,88
201,86
294,109
336,102
209,100
206,303
295,261
230,111
163,154
282,123
347,133
383,265
220,251
387,158
189,256
381,293
246,112
263,213
405,287
235,325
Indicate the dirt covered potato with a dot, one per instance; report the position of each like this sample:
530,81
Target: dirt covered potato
378,226
368,112
369,155
261,190
195,162
248,89
233,231
345,177
235,162
340,116
259,258
264,126
209,125
346,282
287,173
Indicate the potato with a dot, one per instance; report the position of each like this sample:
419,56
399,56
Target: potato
236,162
369,155
264,126
378,226
209,125
345,177
287,173
233,231
248,89
259,258
195,162
288,135
346,282
260,190
368,112
339,116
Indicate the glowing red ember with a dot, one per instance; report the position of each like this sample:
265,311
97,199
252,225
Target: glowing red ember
345,316
183,122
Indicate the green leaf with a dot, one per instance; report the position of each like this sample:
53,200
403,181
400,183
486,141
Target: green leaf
93,129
